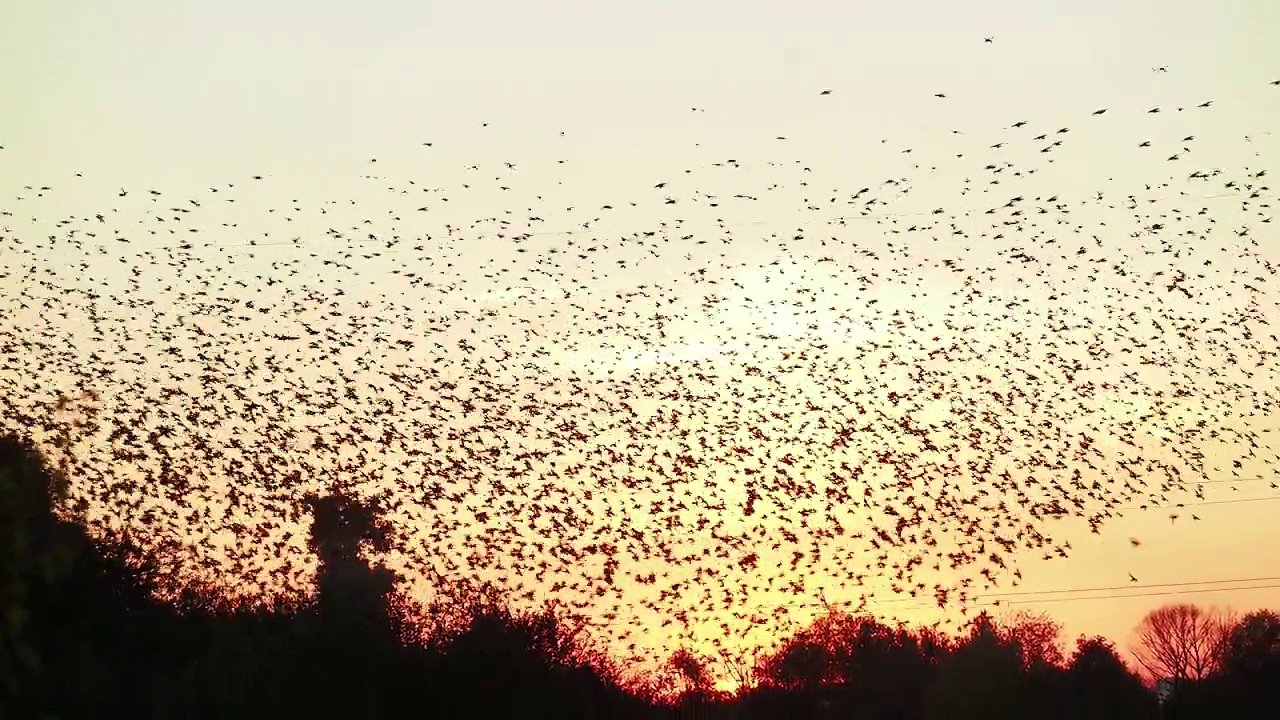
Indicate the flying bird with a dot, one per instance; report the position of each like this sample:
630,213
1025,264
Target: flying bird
776,376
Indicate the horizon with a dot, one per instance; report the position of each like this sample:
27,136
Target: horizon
1037,635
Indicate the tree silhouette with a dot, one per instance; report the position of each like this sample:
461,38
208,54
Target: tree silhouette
1253,644
740,672
354,627
93,628
1181,642
981,678
691,670
801,663
29,555
77,613
1036,637
1101,685
1248,681
350,592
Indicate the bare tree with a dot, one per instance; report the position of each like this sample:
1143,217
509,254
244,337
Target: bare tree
1037,636
740,672
1182,642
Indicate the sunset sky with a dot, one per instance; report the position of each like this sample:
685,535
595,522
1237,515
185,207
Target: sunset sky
595,104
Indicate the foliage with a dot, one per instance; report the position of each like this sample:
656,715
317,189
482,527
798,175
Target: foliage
94,629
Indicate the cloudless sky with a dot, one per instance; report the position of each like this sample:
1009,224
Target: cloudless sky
183,95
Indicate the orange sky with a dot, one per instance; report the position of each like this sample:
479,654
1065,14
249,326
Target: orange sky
1227,542
549,259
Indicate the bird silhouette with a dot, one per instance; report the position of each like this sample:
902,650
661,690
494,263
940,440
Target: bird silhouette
655,405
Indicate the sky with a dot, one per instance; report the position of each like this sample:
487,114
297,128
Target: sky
595,104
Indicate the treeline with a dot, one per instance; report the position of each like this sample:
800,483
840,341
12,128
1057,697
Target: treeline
1015,667
92,629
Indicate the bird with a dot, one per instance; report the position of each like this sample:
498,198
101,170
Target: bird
640,403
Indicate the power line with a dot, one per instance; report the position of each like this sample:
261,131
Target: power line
918,605
1176,506
979,600
1237,500
1131,586
1135,595
1258,478
1179,506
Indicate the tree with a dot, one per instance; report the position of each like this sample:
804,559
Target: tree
1248,682
28,492
692,670
353,622
94,626
499,661
1181,642
1036,636
740,672
80,629
1101,685
349,589
981,678
1253,644
1096,657
801,663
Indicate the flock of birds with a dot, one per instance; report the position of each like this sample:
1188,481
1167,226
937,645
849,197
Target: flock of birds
680,421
